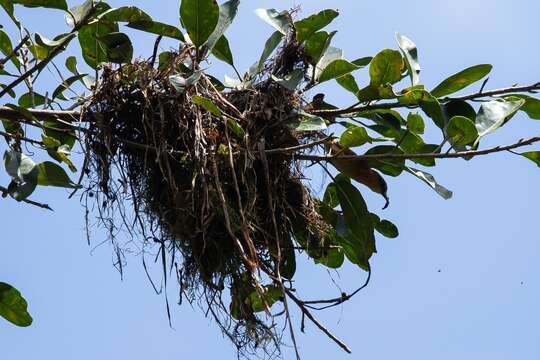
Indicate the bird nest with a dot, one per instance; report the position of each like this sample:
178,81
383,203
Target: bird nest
193,171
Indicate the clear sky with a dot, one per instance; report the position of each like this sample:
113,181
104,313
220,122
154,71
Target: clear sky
461,281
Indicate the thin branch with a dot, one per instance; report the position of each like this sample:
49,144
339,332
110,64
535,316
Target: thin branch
22,138
11,114
3,190
308,314
459,154
394,105
55,51
14,51
299,147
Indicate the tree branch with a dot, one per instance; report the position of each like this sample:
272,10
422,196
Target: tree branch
396,105
55,51
12,114
459,154
14,51
3,190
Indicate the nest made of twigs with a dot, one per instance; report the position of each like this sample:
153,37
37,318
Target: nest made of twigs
199,183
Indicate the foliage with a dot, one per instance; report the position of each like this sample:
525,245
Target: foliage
170,148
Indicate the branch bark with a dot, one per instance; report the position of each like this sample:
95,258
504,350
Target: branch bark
397,105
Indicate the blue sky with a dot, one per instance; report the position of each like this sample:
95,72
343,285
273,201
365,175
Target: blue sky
460,282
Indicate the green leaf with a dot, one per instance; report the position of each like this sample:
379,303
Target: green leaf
158,28
236,128
23,172
271,295
309,123
386,67
317,45
292,80
118,47
206,104
6,48
124,14
227,13
53,4
13,307
222,51
93,51
348,82
458,108
494,114
269,47
335,69
385,227
330,55
354,136
25,100
330,196
51,174
278,20
357,218
431,182
391,167
180,83
308,26
78,13
531,106
461,80
534,156
199,18
461,130
415,123
410,53
62,39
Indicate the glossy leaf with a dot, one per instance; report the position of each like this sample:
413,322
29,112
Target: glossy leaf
461,130
125,14
386,67
6,47
13,307
494,114
158,28
93,51
534,156
415,123
118,47
349,83
23,172
30,100
531,106
336,69
461,80
222,51
309,123
308,26
199,18
410,54
206,104
431,182
78,13
292,80
180,83
59,91
384,227
62,39
317,45
278,20
391,167
53,4
356,216
227,13
330,55
354,136
51,174
269,47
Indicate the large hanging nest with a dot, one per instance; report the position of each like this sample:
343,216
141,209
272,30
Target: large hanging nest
177,161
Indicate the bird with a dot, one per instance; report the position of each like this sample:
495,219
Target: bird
318,103
356,169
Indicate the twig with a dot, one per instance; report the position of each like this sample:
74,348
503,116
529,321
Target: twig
395,105
22,138
28,201
11,114
55,51
299,147
308,314
459,154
